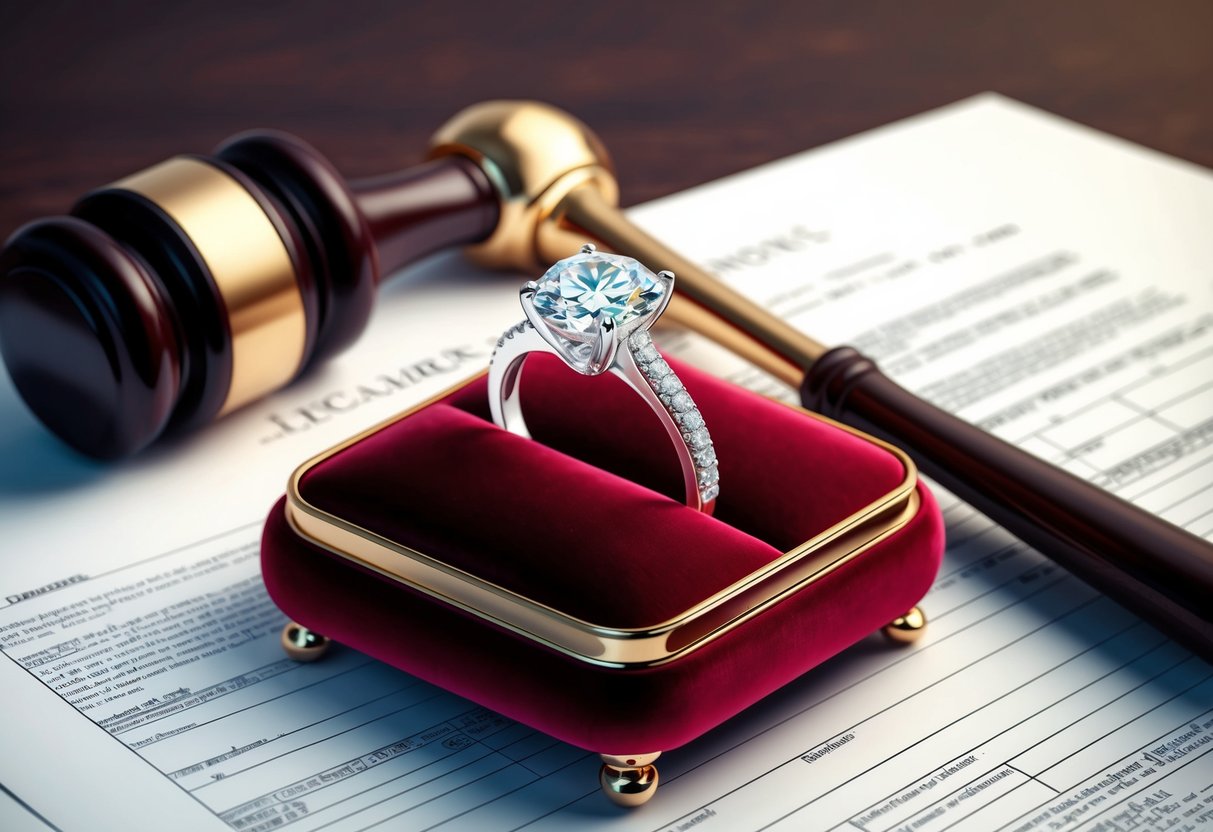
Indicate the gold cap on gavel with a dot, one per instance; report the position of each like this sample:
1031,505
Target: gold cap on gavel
535,154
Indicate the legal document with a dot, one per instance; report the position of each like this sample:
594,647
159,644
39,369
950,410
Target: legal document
1046,282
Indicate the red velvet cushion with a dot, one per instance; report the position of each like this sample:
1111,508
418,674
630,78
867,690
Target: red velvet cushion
580,526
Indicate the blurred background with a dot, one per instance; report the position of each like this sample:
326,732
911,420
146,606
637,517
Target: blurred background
680,92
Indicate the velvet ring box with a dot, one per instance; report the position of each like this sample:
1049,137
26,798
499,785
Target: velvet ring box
562,583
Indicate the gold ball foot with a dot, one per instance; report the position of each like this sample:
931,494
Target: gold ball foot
628,786
301,644
908,628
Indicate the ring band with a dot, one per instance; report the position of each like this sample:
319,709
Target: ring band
594,311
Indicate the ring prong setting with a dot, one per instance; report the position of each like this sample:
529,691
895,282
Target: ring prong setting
667,278
527,297
605,348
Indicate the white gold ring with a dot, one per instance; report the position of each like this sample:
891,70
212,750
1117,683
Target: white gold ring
594,311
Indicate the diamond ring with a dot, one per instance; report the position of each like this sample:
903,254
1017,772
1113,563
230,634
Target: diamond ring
594,311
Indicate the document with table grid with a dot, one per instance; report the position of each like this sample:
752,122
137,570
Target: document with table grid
1048,283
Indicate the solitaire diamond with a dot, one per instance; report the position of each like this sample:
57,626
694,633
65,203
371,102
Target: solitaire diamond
594,311
579,294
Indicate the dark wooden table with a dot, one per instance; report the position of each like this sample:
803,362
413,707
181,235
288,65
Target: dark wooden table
681,93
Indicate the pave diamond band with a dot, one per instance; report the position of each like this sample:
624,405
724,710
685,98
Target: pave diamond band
680,407
594,312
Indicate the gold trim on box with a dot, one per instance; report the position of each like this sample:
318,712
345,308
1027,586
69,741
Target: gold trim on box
609,646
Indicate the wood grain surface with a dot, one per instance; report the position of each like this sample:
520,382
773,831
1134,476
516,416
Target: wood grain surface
680,92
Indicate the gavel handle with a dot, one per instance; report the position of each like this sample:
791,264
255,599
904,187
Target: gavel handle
1149,565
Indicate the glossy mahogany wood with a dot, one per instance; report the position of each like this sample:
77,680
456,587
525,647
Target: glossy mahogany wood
1152,567
194,319
114,330
88,334
417,211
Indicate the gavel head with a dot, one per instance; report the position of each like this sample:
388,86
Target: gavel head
186,290
183,291
535,155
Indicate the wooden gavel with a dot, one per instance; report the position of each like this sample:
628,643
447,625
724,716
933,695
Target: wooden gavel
200,284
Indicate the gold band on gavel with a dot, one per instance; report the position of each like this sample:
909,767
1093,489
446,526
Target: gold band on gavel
249,263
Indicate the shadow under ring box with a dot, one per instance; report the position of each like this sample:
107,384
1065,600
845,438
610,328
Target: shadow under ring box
562,583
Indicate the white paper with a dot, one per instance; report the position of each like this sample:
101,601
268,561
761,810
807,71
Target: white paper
16,816
1042,280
